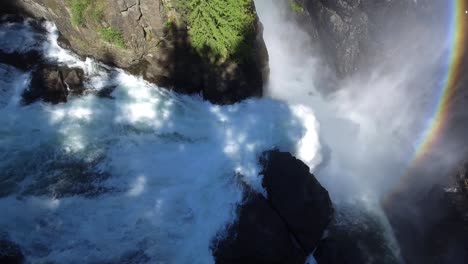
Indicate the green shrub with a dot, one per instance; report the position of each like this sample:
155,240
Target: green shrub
78,8
295,7
113,36
221,27
83,9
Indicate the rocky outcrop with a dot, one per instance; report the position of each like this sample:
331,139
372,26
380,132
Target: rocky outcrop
286,226
431,222
357,234
351,32
462,179
53,84
258,236
149,38
298,197
10,253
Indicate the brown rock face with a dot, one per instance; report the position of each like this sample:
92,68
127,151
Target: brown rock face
138,35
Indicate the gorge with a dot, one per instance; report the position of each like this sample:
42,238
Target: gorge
143,148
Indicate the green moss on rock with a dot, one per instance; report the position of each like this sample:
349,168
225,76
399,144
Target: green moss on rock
78,9
112,35
81,10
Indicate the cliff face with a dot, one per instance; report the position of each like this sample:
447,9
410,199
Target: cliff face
150,38
354,33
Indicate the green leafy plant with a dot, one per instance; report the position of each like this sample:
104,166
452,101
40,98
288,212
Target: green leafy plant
113,36
295,7
221,27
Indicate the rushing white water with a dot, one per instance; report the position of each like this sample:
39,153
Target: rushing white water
369,126
147,176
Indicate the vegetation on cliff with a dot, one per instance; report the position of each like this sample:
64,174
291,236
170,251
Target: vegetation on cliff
113,36
295,7
221,28
85,11
78,9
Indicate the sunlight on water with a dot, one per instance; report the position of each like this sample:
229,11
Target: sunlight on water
148,173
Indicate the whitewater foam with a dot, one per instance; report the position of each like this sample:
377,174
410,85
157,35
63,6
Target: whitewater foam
149,175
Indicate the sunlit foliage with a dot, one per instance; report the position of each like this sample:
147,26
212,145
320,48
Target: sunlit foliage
221,27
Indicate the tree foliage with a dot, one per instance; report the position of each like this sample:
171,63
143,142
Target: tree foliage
221,26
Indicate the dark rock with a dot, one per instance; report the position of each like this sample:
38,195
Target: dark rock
431,222
49,83
46,84
286,227
297,196
356,235
73,78
351,33
10,253
258,236
106,92
462,178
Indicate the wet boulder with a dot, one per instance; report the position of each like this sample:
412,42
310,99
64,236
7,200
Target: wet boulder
52,84
286,226
73,78
298,197
10,253
258,236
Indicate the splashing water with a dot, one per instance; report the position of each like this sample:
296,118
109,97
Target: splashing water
370,126
148,176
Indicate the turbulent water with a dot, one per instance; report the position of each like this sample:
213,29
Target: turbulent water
369,127
151,176
147,176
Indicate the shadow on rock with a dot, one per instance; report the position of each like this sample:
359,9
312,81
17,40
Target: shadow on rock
185,70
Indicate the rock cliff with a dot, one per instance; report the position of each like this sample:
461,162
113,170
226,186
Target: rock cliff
354,33
151,38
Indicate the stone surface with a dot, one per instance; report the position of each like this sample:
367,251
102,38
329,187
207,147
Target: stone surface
258,236
52,84
357,234
430,221
351,32
298,197
271,230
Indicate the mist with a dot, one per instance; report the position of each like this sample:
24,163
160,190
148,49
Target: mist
372,121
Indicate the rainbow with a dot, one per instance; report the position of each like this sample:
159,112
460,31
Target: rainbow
433,130
457,36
